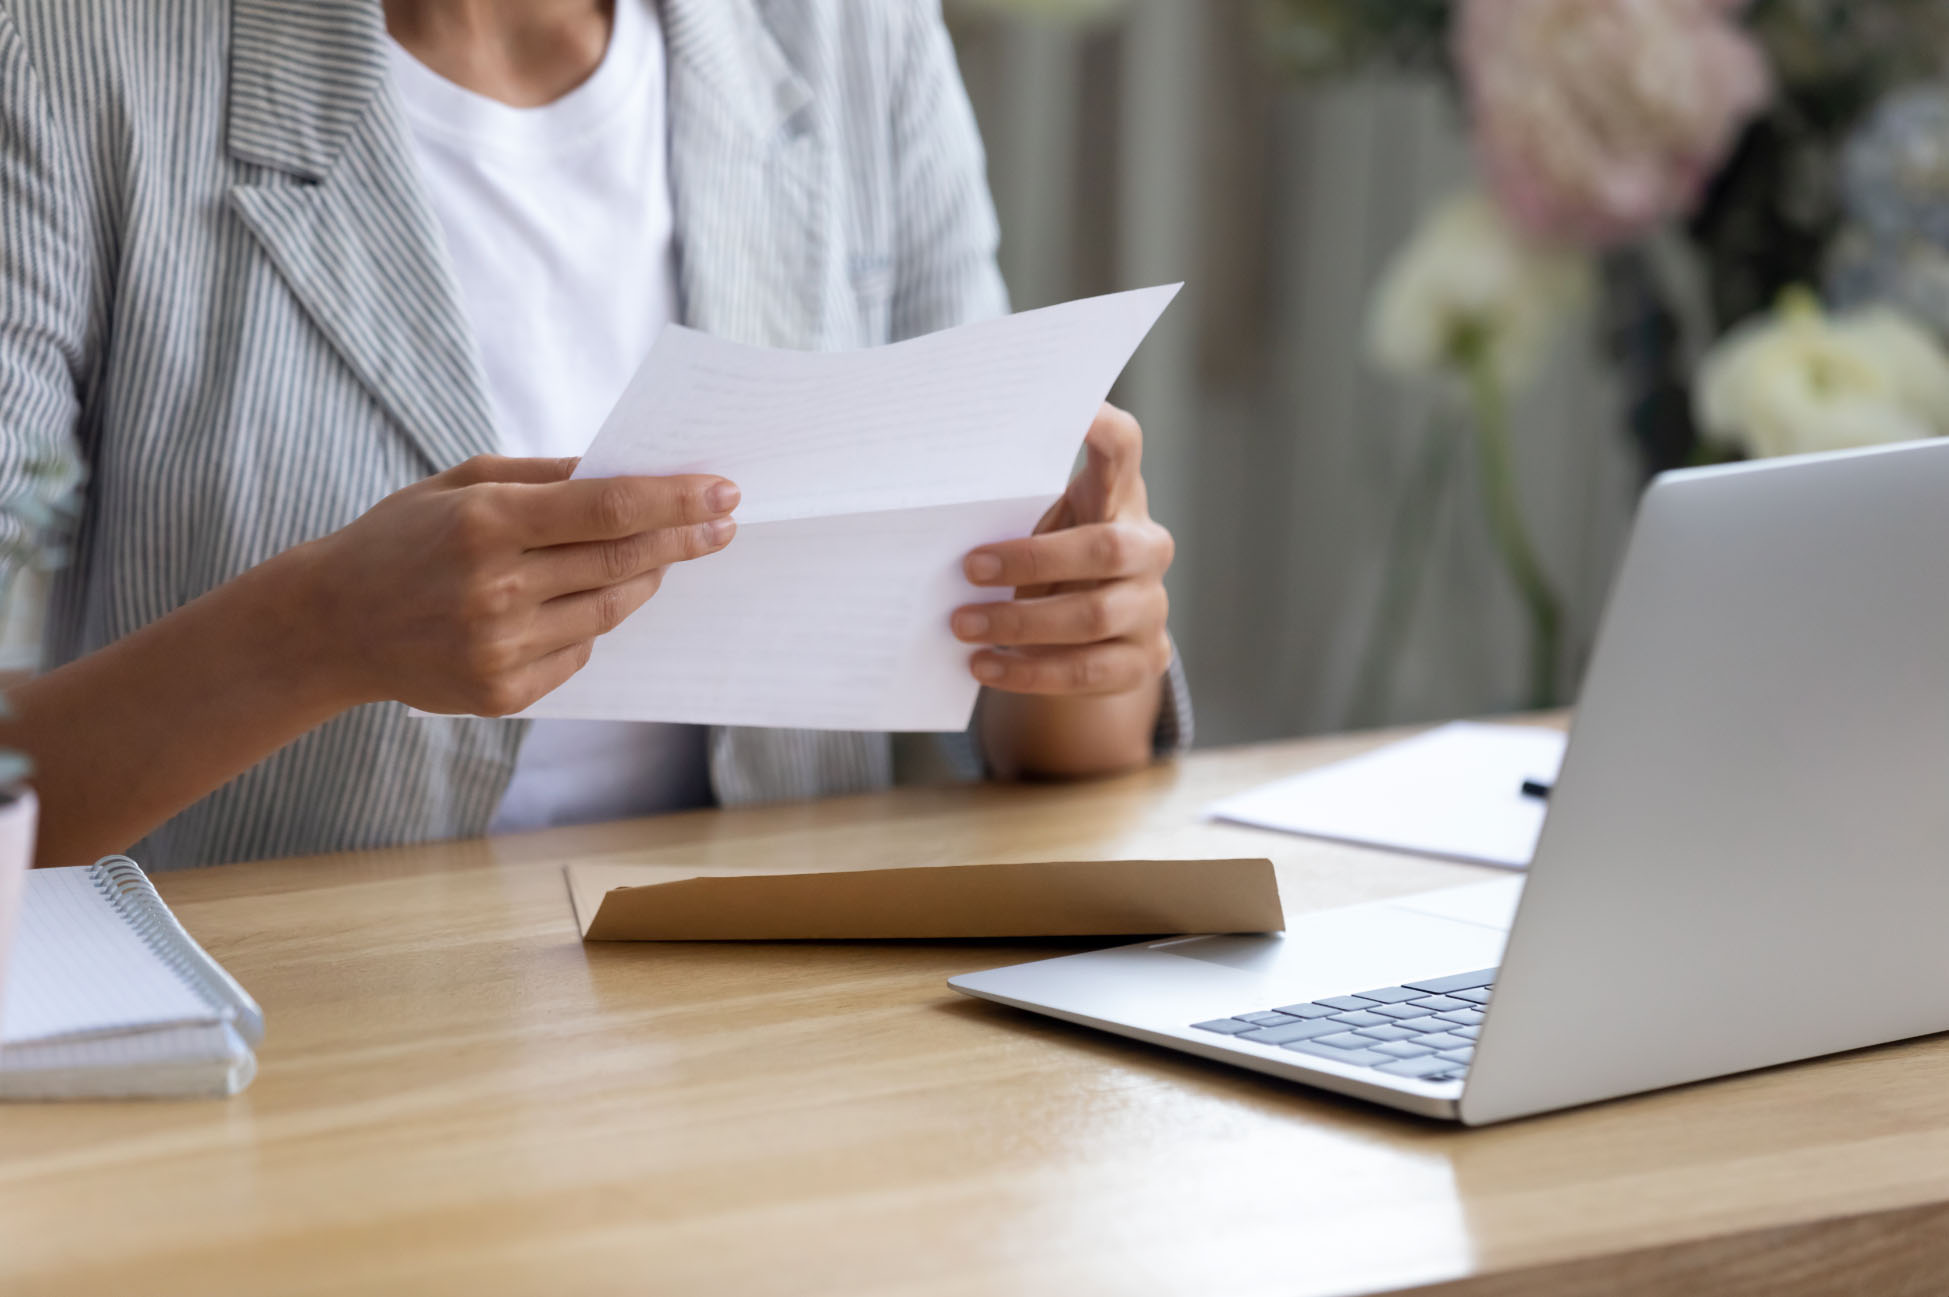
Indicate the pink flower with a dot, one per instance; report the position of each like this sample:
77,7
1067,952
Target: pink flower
1597,119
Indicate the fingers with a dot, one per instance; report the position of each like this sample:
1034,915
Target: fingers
1116,667
610,508
573,618
567,569
524,688
1103,551
514,653
553,671
1112,611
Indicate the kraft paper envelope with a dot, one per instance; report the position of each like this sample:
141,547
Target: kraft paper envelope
1083,898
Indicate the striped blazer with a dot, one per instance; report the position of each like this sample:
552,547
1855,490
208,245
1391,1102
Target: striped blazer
223,289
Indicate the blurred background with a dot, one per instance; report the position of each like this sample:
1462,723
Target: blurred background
1461,274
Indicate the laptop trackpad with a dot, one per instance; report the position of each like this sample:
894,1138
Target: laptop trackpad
1488,905
1381,941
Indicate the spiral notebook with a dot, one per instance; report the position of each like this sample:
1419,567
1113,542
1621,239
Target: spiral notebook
108,997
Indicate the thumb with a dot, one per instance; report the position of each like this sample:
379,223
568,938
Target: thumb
1113,471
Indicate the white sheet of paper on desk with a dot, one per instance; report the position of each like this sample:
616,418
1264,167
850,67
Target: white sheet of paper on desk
1454,792
867,477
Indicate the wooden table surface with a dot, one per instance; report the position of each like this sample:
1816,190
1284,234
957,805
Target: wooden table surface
456,1096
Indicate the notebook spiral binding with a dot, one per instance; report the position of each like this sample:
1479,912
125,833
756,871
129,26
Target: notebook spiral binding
128,889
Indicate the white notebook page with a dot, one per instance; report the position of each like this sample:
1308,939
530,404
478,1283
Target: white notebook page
79,969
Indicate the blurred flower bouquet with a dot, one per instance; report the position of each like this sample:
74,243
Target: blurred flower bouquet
1697,168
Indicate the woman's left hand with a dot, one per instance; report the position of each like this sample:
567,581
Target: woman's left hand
1089,612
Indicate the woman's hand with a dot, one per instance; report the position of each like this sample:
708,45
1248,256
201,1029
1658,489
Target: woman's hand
1083,643
478,590
483,588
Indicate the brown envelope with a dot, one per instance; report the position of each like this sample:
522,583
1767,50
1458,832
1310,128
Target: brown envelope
1084,898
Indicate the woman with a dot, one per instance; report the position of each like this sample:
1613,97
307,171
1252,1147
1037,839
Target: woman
324,293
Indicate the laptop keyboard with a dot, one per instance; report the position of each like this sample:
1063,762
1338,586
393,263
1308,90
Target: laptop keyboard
1421,1029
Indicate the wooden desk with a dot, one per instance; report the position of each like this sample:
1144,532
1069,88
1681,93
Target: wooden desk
458,1097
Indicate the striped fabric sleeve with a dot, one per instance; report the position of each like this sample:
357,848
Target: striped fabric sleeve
945,230
43,304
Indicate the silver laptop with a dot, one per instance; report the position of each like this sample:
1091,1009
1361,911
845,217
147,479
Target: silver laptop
1745,862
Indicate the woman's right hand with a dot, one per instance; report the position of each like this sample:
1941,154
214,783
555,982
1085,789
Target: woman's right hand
483,588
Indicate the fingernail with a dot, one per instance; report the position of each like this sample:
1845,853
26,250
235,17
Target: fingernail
720,532
984,567
970,625
987,669
724,497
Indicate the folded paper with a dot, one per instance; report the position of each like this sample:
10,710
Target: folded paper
867,477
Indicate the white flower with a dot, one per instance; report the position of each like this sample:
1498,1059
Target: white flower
1799,381
1469,288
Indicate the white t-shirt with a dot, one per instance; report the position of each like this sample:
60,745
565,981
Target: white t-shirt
560,225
